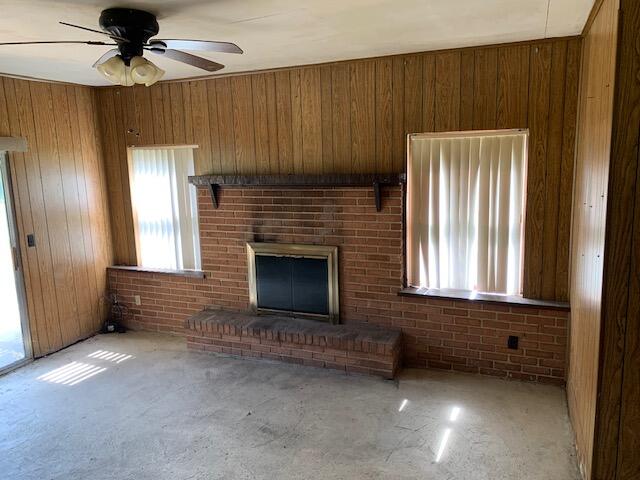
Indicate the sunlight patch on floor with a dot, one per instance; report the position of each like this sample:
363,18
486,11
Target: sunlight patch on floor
72,373
110,356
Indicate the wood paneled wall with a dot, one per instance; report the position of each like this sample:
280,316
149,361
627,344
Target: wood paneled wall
354,117
617,425
60,196
589,216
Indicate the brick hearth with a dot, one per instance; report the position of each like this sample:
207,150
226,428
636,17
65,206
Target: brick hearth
468,336
364,348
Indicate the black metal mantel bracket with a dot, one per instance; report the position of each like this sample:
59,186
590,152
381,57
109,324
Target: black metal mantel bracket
378,195
213,190
371,180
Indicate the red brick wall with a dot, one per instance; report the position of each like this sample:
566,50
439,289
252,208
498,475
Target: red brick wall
468,336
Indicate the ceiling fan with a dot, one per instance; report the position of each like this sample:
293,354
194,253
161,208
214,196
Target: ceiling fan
131,32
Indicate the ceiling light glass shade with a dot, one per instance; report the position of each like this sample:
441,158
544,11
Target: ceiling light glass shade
145,72
115,71
140,70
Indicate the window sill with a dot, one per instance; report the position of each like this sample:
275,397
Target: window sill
179,273
482,297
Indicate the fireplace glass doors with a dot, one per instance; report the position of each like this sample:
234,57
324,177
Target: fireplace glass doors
300,280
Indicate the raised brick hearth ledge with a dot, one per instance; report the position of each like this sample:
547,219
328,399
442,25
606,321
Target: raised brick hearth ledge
356,348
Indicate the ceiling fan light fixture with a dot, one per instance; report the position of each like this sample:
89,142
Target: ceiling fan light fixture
140,70
133,32
113,70
145,72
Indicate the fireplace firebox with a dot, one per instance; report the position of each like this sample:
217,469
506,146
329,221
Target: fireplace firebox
299,280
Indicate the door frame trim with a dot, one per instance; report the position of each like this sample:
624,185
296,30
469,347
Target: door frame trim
14,234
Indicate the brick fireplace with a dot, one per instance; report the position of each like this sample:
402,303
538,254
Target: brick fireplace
463,335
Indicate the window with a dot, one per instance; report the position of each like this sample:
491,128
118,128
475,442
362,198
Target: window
465,210
164,207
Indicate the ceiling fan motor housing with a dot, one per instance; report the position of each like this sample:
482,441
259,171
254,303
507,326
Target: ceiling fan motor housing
137,26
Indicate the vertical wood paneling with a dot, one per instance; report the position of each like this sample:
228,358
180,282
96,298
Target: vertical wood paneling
625,143
49,327
202,130
261,123
126,115
167,113
143,114
467,88
87,255
592,160
384,115
52,201
362,91
354,117
243,128
540,79
413,82
226,134
157,110
272,116
326,99
485,89
188,115
54,206
123,140
214,125
296,121
447,116
341,114
566,168
617,418
554,166
311,111
283,107
399,139
513,86
428,92
176,112
95,183
74,236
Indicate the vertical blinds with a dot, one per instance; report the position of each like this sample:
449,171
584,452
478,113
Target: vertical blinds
164,207
465,203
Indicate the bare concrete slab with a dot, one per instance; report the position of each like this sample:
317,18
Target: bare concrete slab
140,406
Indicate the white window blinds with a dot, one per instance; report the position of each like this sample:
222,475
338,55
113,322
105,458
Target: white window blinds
465,203
164,208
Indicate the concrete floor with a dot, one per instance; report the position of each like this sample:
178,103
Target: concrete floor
156,411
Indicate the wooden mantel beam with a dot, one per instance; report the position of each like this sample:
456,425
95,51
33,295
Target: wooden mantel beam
371,180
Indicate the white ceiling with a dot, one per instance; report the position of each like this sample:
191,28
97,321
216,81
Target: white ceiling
278,33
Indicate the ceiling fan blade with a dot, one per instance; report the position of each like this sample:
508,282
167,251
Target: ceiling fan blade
189,59
202,45
111,53
91,42
115,37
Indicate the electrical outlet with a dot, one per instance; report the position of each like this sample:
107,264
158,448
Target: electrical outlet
512,342
136,298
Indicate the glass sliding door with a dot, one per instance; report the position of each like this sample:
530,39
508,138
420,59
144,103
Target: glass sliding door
14,336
